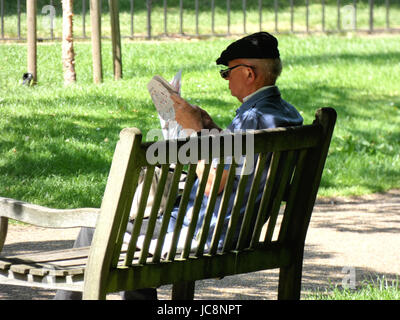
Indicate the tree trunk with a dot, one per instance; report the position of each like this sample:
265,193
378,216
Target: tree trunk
68,54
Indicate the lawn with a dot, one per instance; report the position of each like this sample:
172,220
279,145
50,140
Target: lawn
370,289
56,143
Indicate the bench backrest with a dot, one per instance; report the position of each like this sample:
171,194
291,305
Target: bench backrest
294,157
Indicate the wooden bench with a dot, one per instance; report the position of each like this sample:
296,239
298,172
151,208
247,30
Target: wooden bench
294,174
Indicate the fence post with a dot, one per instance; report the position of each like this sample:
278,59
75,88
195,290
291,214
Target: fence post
371,16
115,39
2,17
244,15
213,17
165,18
181,16
148,5
31,38
19,18
292,16
276,15
323,16
131,16
196,10
84,18
228,9
387,5
95,16
307,16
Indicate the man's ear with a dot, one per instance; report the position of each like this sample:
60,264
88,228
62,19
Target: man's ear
251,75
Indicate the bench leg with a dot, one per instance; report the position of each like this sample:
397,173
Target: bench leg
3,231
290,279
183,290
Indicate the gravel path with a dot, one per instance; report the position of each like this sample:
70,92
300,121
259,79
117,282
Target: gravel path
357,236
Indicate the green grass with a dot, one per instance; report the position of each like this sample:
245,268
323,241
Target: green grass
380,289
56,143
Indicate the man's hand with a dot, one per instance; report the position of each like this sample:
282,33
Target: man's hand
191,116
187,115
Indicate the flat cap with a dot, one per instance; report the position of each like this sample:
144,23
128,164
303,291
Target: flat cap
260,45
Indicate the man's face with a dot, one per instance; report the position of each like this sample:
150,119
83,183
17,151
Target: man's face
237,79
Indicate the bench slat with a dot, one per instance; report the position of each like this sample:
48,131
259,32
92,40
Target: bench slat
210,208
191,176
292,193
223,208
266,198
228,242
167,214
154,213
285,175
53,255
248,214
140,213
196,210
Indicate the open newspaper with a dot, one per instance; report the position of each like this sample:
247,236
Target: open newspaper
160,91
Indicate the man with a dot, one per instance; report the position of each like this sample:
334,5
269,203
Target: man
253,66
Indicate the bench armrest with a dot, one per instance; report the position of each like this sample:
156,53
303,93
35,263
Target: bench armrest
47,217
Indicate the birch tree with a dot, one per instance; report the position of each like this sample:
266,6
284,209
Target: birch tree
68,54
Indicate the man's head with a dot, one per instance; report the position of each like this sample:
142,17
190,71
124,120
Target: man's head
253,62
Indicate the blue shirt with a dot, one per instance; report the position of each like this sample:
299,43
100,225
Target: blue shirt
263,110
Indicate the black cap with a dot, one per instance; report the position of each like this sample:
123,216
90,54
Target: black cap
260,45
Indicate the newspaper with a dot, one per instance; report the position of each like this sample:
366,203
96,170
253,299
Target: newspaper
160,91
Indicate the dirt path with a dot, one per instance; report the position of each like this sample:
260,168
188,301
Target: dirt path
358,236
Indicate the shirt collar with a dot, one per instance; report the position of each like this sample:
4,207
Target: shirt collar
255,92
248,102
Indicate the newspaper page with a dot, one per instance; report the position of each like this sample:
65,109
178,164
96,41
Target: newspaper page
160,90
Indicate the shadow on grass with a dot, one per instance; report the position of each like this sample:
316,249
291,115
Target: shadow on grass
57,142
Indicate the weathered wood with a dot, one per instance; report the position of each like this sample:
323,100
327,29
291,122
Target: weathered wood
230,235
120,188
153,214
266,198
182,211
47,217
248,214
222,209
294,174
284,176
115,39
139,217
212,197
195,212
167,214
3,231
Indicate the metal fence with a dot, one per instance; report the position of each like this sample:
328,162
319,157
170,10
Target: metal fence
160,18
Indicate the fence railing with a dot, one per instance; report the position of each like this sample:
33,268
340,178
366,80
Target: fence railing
160,18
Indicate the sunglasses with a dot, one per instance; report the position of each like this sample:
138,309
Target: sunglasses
225,73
